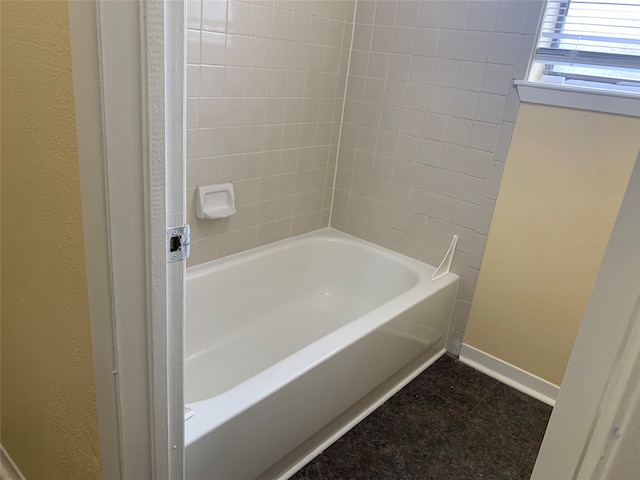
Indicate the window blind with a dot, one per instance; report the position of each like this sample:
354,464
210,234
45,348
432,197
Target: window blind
589,41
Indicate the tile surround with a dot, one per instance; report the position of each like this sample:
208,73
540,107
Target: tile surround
430,106
429,111
265,92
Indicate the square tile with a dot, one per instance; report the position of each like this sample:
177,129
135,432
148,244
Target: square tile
214,15
193,14
212,50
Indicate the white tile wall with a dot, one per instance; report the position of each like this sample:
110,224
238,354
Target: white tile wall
265,91
428,118
429,114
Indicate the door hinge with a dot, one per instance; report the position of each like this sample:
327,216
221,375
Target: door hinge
178,243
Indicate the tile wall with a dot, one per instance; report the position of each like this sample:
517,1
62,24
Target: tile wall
429,113
265,92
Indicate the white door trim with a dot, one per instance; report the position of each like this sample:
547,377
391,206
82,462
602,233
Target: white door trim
128,69
88,111
166,196
595,382
614,422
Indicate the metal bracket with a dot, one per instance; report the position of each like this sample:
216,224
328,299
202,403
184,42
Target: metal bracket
178,243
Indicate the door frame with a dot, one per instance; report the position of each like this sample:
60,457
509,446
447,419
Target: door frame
128,76
589,421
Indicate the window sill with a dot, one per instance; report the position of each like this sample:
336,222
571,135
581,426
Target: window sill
621,103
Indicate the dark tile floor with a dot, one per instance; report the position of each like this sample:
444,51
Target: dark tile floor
451,422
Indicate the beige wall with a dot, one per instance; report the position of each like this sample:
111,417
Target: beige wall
48,416
563,183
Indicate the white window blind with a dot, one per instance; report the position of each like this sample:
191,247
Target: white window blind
589,43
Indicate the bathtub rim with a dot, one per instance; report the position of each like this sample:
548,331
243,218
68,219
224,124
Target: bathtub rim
242,396
326,233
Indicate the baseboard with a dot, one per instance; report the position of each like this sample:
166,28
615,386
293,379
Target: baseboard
508,374
9,469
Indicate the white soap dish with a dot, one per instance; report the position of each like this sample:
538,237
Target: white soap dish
215,201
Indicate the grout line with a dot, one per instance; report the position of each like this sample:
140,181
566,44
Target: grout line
344,101
483,398
485,395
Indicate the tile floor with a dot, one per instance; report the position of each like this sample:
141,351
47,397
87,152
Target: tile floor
451,422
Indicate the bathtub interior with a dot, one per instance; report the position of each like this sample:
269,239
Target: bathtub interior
273,377
248,313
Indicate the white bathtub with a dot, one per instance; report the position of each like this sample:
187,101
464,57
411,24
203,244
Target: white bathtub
291,344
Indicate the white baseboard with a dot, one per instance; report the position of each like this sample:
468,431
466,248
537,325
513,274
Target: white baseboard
9,469
508,374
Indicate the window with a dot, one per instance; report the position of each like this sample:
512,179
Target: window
587,57
589,43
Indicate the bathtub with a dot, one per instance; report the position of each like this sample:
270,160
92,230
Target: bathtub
291,344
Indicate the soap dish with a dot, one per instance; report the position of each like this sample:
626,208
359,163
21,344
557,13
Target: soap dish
215,201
